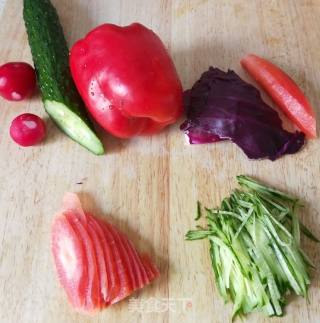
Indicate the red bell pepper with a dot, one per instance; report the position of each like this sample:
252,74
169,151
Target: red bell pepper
284,92
127,79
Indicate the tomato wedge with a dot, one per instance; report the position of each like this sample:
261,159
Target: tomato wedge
284,92
70,261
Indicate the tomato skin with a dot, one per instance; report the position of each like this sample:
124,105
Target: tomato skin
17,81
27,130
127,80
284,92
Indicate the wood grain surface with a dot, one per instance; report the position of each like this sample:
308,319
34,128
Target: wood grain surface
148,187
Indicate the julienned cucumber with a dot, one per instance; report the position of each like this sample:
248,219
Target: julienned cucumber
51,59
255,248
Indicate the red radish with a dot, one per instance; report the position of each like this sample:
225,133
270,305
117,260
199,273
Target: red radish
106,265
70,261
27,130
17,81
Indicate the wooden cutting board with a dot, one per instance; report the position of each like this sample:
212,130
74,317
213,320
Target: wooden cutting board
149,186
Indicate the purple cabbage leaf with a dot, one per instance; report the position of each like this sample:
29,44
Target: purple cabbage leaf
221,106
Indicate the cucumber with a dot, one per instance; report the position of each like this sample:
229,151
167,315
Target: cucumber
51,59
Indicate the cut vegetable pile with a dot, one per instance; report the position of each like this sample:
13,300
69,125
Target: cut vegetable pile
255,248
96,264
128,84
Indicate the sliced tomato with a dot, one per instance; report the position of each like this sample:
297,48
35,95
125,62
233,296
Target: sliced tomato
122,266
148,271
101,263
92,289
284,92
128,260
97,265
110,260
150,267
69,260
139,270
71,202
144,273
